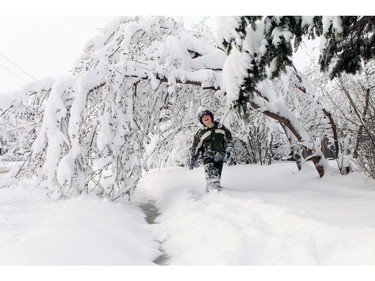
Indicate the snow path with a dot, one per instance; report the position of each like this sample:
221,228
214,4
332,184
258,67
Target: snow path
152,212
265,215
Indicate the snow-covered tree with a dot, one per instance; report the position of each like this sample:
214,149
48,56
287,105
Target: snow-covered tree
127,94
260,48
21,114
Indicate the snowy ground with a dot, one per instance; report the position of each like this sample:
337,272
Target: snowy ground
265,215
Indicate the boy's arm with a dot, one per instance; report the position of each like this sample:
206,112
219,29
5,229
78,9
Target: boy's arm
193,152
229,155
193,149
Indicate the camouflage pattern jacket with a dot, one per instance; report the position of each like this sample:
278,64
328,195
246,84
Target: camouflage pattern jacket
212,141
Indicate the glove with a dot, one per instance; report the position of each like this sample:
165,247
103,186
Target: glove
229,159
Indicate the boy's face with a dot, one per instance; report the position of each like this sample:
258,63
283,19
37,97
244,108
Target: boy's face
206,119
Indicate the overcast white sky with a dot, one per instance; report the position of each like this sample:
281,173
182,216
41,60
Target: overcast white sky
42,47
35,47
43,38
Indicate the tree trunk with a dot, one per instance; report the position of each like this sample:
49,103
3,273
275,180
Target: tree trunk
334,130
360,129
286,122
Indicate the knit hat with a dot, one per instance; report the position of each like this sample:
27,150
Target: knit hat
204,112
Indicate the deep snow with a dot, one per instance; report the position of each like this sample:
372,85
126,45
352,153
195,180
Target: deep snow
265,215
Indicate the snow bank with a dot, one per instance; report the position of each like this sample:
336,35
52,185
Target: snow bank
80,231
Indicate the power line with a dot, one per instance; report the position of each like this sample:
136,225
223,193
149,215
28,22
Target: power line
13,72
14,64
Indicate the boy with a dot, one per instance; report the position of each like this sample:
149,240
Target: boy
214,142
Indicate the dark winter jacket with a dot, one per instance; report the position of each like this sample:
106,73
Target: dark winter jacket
213,141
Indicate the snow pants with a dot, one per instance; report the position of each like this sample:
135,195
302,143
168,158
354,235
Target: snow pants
212,170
